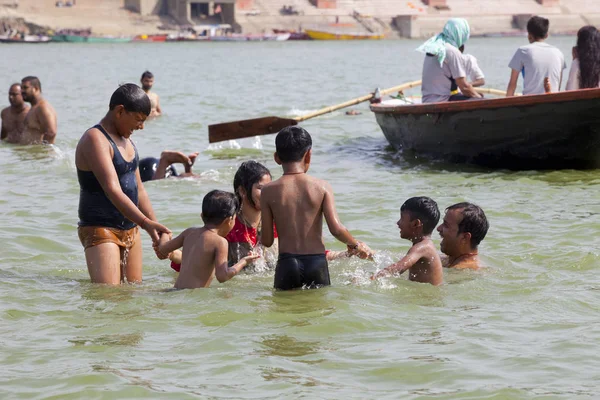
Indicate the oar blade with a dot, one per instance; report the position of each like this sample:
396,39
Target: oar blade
247,128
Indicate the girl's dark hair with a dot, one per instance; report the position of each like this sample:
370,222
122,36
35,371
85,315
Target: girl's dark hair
249,173
218,205
132,98
588,53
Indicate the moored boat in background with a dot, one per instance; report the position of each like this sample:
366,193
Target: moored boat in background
25,39
150,38
326,35
547,131
90,39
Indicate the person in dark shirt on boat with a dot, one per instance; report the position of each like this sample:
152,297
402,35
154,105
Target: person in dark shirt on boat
13,117
152,168
464,227
536,61
445,64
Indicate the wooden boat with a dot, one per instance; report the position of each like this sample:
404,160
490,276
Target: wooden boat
323,35
150,38
27,39
89,39
293,34
547,131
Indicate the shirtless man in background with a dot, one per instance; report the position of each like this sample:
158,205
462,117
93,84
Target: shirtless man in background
147,83
40,123
13,117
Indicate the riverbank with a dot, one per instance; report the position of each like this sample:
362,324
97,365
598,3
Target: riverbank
396,19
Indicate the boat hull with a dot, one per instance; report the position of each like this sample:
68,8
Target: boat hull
89,39
554,131
321,35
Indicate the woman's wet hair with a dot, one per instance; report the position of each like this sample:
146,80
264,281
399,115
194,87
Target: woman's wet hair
249,173
218,205
588,53
473,221
132,98
292,143
538,27
424,209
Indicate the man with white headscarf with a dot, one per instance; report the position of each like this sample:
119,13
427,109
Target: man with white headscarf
444,64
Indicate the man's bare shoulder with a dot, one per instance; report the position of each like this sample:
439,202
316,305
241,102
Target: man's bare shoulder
46,106
4,111
466,264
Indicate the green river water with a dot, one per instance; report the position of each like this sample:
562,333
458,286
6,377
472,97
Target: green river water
525,327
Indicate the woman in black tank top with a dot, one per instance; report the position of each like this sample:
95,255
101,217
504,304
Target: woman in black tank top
112,200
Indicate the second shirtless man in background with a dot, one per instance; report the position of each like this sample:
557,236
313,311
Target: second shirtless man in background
40,123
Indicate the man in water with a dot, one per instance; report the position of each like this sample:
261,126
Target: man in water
13,117
464,227
40,123
147,83
152,169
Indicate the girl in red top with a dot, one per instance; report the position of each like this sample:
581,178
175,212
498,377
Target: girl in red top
248,182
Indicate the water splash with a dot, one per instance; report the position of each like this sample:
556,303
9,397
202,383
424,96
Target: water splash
230,144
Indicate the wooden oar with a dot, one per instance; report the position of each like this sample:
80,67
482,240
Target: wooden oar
493,91
267,125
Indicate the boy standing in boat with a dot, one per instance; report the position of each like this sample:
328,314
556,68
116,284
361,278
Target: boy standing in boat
297,203
536,61
418,218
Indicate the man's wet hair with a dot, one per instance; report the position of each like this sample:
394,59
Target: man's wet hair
34,81
132,98
249,173
425,209
218,205
292,143
473,221
147,74
538,27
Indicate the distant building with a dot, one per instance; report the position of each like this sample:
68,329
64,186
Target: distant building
187,12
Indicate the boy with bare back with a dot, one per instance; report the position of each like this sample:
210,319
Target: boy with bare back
297,203
418,218
205,249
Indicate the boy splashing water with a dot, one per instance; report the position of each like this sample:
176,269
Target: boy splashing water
205,249
297,203
418,218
